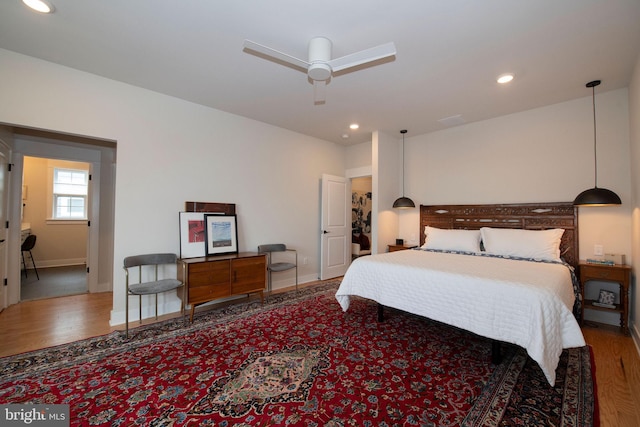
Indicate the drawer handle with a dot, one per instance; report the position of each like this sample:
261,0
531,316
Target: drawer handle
604,274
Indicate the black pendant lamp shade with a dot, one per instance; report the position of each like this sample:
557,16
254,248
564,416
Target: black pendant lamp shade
596,196
403,202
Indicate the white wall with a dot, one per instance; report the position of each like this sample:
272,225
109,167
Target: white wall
358,155
541,155
387,187
634,159
170,151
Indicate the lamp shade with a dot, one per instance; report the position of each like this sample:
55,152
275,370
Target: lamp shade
404,202
597,197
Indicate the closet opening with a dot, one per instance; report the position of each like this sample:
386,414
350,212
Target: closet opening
361,204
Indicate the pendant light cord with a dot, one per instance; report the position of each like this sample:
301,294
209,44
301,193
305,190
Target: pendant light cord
595,151
403,132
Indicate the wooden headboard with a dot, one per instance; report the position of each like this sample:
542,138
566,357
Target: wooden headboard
528,216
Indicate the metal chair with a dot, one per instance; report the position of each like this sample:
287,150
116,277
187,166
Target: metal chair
27,245
278,265
148,266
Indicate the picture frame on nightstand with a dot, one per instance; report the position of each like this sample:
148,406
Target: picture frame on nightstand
606,299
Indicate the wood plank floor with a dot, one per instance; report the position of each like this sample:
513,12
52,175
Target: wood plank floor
43,323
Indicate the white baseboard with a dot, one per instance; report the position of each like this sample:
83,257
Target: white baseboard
291,281
167,304
56,262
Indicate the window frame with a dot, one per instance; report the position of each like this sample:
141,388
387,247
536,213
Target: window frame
54,206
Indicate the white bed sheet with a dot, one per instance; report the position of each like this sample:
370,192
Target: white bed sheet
516,301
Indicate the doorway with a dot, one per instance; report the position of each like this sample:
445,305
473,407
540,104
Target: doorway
101,155
361,222
55,195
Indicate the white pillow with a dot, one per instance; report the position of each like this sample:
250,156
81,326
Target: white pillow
537,244
451,240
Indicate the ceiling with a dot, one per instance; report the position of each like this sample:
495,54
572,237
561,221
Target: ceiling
449,54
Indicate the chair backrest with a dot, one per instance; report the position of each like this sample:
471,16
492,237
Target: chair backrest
273,247
29,242
150,259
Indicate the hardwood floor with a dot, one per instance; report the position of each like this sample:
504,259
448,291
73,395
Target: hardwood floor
37,324
617,375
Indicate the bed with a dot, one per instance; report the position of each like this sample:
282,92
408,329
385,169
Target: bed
524,296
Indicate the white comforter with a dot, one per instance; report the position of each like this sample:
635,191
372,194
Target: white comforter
521,302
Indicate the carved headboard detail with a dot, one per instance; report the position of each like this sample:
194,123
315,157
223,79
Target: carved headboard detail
528,216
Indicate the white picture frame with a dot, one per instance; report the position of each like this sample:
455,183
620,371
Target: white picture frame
192,235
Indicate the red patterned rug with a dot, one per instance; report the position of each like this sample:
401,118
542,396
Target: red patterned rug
299,360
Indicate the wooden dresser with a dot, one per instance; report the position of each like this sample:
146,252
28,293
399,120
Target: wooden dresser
213,277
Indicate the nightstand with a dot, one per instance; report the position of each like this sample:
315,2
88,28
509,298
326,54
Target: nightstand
394,248
620,274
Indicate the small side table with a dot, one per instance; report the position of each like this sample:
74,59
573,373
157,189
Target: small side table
620,274
394,248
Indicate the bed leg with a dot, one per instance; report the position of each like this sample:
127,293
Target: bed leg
496,356
380,313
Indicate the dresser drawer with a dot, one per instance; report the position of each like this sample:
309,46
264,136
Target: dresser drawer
208,293
209,274
595,273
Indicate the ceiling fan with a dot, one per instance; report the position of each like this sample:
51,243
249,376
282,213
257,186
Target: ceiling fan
320,67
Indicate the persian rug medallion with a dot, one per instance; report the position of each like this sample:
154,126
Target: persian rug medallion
264,378
300,361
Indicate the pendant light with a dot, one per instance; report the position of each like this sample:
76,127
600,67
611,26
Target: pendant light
403,202
596,196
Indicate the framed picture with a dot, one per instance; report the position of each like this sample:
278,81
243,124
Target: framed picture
192,235
221,235
606,297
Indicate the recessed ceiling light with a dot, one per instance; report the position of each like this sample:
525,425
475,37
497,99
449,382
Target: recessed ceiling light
41,6
354,126
345,136
505,78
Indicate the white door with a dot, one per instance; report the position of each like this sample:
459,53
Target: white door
4,192
335,228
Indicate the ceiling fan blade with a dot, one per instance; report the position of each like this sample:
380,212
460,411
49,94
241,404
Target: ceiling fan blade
319,91
280,56
368,55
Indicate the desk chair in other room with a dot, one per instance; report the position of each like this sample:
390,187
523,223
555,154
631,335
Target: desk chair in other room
27,246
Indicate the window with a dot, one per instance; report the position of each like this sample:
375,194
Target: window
70,188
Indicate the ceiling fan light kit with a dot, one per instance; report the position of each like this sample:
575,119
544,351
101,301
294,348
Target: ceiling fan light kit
319,57
319,66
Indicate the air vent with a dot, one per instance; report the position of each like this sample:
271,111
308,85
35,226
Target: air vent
453,121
